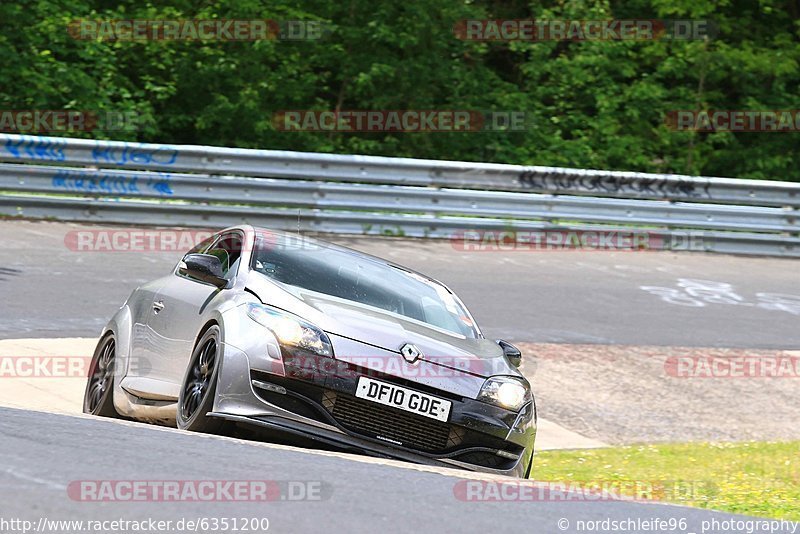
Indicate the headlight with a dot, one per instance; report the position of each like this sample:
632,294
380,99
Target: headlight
291,330
505,391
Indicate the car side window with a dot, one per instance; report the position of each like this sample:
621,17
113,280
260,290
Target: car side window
228,249
201,246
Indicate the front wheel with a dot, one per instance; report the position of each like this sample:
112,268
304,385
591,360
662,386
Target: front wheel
199,387
98,399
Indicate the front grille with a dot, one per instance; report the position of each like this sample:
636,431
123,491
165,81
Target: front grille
378,421
373,420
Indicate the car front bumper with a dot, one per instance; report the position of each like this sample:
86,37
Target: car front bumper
321,406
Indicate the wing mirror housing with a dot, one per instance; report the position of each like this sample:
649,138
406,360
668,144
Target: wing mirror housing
204,267
511,352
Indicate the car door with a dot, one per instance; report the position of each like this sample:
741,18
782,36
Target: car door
140,303
182,307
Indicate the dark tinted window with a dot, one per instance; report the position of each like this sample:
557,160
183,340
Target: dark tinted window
316,267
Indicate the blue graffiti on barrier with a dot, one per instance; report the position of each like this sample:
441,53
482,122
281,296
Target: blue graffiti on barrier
134,153
35,148
111,182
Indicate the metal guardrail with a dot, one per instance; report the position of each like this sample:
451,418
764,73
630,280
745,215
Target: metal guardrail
121,182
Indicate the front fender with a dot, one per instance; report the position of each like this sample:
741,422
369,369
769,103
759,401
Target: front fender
121,327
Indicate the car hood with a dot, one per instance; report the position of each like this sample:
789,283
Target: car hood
384,329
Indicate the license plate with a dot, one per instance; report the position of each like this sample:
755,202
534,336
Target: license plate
403,398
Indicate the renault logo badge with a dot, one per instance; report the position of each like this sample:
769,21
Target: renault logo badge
410,353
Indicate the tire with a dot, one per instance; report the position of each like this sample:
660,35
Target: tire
98,398
199,386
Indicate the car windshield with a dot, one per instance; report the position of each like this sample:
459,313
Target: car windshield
314,266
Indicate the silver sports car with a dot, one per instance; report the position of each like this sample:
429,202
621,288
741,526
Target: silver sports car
296,338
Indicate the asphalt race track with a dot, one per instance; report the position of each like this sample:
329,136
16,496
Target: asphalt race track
44,453
557,296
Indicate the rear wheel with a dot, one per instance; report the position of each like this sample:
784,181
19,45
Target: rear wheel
199,387
98,399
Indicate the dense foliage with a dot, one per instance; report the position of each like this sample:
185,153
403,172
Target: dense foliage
596,104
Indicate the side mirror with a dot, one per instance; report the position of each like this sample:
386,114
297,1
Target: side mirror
512,353
203,267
